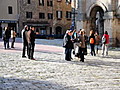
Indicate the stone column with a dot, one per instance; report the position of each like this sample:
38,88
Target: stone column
108,26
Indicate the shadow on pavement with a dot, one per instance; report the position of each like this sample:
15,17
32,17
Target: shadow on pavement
87,62
24,84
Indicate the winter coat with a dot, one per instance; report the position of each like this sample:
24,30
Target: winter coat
67,42
97,39
107,38
82,41
31,36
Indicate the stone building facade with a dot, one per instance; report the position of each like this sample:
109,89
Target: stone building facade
100,15
47,16
8,14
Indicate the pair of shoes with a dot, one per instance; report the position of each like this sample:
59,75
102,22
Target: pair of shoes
23,56
68,60
12,47
8,48
32,58
81,61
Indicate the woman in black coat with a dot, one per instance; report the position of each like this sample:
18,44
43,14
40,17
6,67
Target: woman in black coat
68,44
92,42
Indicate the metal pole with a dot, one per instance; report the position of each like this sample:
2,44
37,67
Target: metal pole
74,15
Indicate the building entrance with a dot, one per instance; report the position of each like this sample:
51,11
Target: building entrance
97,21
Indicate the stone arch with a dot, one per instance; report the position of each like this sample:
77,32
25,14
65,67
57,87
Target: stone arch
97,23
100,4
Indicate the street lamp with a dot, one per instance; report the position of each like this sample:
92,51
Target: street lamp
73,26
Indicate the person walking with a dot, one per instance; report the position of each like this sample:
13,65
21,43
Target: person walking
13,36
97,41
6,37
86,41
0,31
68,44
31,43
24,39
92,42
82,46
105,43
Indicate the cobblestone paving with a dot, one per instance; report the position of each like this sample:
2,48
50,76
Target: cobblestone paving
51,72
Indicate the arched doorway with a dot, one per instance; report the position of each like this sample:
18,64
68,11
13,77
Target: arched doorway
58,30
97,21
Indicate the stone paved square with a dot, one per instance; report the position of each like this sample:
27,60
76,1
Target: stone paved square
51,72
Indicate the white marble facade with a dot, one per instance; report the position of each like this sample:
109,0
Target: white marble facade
109,14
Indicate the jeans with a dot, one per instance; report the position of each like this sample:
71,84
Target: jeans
25,45
92,49
13,41
105,49
68,54
6,43
31,50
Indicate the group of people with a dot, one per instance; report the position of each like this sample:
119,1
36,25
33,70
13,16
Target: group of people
77,42
28,38
9,33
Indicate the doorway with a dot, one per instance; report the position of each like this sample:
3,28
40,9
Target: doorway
96,20
58,30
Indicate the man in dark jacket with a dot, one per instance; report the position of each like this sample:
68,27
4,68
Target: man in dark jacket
0,31
31,43
68,44
7,34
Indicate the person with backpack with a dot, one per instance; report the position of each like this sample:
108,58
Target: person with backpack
92,42
105,43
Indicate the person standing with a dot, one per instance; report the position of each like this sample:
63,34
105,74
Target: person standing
105,43
13,36
74,36
4,37
31,43
97,41
68,44
92,42
24,39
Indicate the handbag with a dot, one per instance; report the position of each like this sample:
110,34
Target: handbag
79,44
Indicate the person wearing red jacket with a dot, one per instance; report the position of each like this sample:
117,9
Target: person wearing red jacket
105,43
